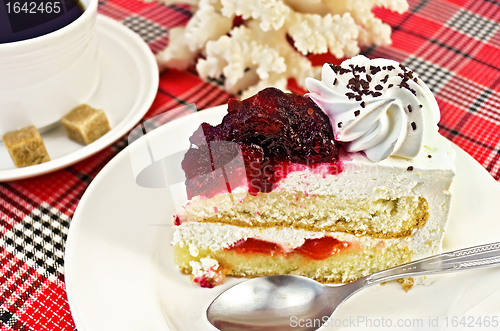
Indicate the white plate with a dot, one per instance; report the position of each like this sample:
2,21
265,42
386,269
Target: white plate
120,274
128,86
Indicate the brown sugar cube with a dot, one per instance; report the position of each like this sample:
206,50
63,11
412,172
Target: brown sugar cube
26,147
85,124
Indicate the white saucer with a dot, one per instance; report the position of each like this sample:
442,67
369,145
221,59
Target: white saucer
128,86
120,273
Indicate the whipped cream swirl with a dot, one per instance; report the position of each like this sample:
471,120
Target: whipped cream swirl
376,106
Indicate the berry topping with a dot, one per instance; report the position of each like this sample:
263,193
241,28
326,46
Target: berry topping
267,130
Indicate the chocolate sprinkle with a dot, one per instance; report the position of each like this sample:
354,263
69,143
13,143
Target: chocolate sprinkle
357,112
361,87
364,84
405,77
420,106
338,69
413,125
339,124
429,156
410,168
374,70
359,69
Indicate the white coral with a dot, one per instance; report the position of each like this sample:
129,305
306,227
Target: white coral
271,13
371,29
177,54
241,58
206,24
317,34
257,54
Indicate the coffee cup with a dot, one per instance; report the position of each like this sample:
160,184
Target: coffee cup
43,78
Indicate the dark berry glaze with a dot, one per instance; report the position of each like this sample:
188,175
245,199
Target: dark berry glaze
258,142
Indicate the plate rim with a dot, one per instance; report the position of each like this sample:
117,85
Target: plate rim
148,71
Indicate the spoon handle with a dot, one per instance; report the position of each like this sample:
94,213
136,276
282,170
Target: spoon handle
482,256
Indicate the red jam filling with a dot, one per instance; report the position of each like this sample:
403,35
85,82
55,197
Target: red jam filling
252,245
321,248
260,141
316,249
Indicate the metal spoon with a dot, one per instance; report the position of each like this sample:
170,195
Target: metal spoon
269,303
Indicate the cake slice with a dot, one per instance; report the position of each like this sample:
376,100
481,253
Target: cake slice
348,180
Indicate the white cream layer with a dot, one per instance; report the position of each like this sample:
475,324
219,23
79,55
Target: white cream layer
216,236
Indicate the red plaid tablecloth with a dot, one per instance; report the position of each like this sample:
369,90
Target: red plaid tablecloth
454,45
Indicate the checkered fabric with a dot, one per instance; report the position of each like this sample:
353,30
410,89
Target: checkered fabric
454,45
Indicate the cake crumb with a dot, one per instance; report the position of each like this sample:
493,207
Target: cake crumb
406,283
208,273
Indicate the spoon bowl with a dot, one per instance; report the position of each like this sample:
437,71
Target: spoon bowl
278,302
275,302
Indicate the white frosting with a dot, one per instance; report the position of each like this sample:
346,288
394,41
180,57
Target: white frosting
396,121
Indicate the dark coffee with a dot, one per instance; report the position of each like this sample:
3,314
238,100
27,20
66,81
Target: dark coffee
25,19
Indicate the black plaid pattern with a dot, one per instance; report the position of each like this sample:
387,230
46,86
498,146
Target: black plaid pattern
478,103
39,239
7,317
473,25
434,76
148,30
